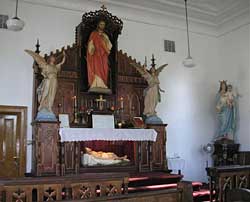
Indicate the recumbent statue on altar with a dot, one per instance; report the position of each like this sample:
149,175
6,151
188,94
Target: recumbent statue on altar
92,158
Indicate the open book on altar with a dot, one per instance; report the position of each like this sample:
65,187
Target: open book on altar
138,122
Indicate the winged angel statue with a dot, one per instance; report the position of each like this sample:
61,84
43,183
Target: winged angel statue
152,94
46,91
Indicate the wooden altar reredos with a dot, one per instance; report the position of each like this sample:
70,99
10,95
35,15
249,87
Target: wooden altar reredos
56,161
126,83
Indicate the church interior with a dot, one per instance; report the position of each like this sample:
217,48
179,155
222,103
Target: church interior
125,100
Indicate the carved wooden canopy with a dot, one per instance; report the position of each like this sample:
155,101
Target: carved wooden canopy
127,82
113,28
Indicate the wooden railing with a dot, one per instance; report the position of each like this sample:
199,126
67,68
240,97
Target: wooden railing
86,186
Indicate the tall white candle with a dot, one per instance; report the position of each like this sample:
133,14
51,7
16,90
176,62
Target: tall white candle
122,103
75,102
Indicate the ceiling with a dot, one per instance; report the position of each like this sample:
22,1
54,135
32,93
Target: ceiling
210,12
213,12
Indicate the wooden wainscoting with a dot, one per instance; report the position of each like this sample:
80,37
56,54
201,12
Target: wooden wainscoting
13,129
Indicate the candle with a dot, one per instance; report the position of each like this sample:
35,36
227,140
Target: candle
17,148
121,102
75,102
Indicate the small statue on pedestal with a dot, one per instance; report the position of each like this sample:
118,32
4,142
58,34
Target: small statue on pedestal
226,150
46,91
152,94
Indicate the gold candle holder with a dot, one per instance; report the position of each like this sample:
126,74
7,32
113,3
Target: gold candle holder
119,125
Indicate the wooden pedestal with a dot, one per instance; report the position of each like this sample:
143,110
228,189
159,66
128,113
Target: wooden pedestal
225,154
70,158
158,154
45,149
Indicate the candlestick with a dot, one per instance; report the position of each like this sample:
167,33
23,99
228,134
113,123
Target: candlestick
120,125
17,148
75,115
121,99
75,101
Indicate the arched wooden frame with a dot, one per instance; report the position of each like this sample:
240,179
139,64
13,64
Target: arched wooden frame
113,29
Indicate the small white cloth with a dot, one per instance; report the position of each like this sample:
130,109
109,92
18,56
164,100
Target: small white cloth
106,134
176,164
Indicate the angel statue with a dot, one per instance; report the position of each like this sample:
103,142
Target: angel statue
152,94
46,91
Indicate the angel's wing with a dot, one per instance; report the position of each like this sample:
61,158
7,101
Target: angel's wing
159,69
40,60
141,70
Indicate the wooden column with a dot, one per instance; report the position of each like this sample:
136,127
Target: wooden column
158,154
46,148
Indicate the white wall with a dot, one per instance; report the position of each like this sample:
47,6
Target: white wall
55,29
188,104
234,54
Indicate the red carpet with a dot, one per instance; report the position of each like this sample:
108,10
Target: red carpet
152,181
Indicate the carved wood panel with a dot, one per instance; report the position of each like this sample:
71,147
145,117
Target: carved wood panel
46,148
63,103
132,101
159,147
72,61
144,156
224,178
87,186
130,87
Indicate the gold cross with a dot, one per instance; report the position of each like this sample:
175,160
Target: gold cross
100,102
103,7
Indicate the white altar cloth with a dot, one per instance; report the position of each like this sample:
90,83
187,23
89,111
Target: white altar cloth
107,134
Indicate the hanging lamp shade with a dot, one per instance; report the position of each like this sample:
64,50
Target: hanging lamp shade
15,23
188,61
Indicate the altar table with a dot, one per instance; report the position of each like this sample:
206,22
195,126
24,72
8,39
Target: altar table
106,134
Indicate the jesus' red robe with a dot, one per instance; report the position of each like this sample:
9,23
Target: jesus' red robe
99,48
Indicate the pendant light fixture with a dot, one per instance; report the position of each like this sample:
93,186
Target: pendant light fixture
188,62
15,24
